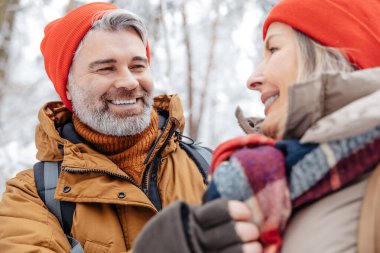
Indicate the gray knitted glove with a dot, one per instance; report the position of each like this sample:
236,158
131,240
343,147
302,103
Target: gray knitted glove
183,229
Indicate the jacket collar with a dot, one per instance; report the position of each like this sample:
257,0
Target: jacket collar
313,100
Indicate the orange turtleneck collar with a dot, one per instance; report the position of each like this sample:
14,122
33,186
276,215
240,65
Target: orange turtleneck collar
127,152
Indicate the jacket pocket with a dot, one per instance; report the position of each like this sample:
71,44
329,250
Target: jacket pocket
95,247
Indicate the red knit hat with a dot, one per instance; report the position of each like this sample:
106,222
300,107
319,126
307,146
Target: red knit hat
353,26
62,37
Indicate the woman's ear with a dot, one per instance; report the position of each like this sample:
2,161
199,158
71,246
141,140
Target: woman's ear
68,94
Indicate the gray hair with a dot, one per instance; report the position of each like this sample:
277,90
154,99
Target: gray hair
113,21
314,58
117,20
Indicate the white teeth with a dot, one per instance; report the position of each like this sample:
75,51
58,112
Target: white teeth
124,102
270,100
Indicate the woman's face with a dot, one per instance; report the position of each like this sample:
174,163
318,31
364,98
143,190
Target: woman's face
278,70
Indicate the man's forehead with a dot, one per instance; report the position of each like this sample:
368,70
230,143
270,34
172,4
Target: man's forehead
99,45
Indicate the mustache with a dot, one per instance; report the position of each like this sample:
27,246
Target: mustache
125,94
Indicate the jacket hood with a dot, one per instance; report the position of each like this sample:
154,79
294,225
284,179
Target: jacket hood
54,115
173,105
47,138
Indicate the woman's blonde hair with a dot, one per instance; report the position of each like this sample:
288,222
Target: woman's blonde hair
314,58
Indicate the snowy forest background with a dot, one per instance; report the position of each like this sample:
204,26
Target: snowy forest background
203,50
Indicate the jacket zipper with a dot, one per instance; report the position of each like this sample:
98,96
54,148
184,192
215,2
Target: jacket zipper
145,186
155,162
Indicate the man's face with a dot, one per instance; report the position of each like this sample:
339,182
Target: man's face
111,88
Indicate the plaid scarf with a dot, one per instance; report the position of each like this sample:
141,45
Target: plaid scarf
274,178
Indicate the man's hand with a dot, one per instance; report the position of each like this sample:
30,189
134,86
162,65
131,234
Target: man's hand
218,226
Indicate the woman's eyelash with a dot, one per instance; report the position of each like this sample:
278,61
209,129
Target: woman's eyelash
273,49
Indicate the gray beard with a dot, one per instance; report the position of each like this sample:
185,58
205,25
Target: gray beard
97,115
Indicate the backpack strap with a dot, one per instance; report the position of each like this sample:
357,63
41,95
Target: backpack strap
46,176
199,154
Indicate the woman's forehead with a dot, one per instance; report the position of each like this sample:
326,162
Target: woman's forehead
279,29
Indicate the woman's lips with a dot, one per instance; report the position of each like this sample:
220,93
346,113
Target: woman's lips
268,99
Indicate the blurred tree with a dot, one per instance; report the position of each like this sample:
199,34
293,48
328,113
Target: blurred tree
163,10
192,28
72,4
195,121
8,10
189,68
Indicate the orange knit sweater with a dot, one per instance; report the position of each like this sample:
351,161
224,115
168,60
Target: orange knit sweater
128,152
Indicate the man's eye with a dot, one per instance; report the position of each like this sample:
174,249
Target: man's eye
138,67
105,69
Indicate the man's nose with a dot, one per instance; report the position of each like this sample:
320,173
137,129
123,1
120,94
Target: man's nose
126,79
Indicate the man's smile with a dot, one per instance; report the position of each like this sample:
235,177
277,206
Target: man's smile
133,106
123,102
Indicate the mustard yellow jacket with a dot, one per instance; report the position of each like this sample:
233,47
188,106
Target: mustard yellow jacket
102,221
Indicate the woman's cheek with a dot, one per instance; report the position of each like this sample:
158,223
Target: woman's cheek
274,123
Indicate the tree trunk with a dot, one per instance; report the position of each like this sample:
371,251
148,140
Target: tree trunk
168,71
8,10
210,67
189,64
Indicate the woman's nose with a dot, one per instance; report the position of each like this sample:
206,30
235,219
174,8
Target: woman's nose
255,81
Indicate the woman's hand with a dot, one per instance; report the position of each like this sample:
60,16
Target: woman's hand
247,231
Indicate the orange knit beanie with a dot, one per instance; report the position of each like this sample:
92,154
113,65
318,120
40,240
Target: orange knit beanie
62,37
353,26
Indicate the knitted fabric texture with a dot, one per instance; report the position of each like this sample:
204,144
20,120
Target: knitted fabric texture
127,152
62,37
351,26
275,178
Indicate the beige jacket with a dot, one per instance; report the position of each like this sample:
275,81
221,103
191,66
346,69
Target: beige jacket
331,107
102,222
